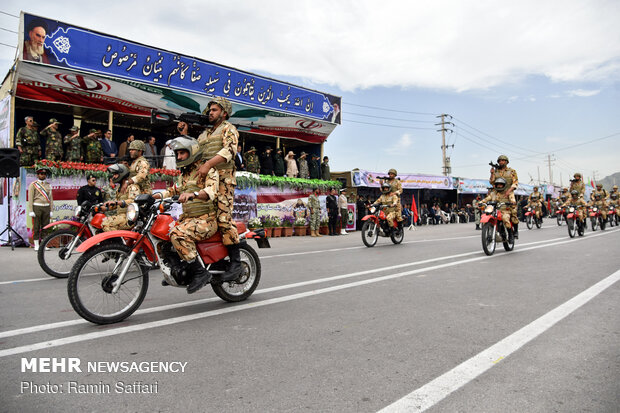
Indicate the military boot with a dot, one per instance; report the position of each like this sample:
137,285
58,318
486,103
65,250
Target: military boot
235,264
202,277
515,228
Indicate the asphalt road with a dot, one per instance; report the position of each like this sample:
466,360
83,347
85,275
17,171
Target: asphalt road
337,327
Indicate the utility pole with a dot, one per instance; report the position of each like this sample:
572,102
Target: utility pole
538,167
550,171
445,160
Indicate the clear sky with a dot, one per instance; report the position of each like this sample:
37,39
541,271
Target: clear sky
529,79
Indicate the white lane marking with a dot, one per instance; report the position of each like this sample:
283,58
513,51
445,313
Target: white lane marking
212,313
27,280
438,389
62,324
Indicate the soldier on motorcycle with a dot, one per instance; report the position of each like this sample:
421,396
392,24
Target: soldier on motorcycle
390,200
396,188
614,190
199,199
125,194
598,200
500,194
599,190
535,201
511,181
579,202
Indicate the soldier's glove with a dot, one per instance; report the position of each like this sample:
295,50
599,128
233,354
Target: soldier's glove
31,214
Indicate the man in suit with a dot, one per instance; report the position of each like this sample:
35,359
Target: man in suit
239,161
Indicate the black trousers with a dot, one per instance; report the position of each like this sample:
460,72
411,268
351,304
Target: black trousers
333,222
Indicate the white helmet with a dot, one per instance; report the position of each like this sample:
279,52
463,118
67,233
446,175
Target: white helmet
189,144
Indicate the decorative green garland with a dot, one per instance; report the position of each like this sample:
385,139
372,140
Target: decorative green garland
282,182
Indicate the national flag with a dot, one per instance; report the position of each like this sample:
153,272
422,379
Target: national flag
414,209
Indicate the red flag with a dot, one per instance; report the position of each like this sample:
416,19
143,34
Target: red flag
414,209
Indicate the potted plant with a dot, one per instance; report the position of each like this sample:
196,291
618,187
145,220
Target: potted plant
255,223
277,227
300,226
267,224
287,225
323,228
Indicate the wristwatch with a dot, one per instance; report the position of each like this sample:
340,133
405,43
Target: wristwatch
196,194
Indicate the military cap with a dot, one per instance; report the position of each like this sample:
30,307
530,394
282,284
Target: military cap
43,169
302,154
252,149
267,148
74,128
92,131
34,123
502,157
54,120
137,145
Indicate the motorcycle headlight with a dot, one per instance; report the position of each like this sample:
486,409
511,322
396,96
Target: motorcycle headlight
78,211
571,209
132,213
594,209
372,210
529,209
488,209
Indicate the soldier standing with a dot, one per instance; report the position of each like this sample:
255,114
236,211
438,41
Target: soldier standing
315,212
27,141
578,185
139,169
512,183
74,145
40,204
314,167
304,172
199,197
397,189
251,160
325,174
94,152
53,138
474,205
219,145
278,163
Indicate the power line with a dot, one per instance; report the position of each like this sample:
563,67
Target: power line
389,126
384,117
587,142
392,110
9,14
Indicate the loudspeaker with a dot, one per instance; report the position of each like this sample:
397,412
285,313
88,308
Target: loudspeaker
9,162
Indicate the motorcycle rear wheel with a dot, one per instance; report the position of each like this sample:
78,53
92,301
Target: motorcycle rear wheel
488,239
538,222
370,234
243,287
508,243
529,222
397,235
90,284
50,254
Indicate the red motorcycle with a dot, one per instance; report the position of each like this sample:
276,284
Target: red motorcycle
574,224
57,253
376,224
493,228
110,279
560,215
530,218
596,218
612,215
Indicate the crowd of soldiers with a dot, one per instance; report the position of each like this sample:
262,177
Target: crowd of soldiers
574,195
270,162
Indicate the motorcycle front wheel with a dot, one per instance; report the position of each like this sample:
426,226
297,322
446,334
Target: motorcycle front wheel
601,223
528,222
91,281
397,235
572,227
559,218
581,228
488,239
370,233
243,287
53,256
594,223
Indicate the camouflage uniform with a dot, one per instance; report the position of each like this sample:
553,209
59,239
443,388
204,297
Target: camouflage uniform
109,194
579,186
53,144
118,221
496,196
304,172
397,188
535,201
199,219
512,181
601,191
601,203
28,140
391,201
94,151
315,212
139,174
74,147
251,160
223,141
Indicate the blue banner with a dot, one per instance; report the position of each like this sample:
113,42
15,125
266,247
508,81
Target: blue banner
84,50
